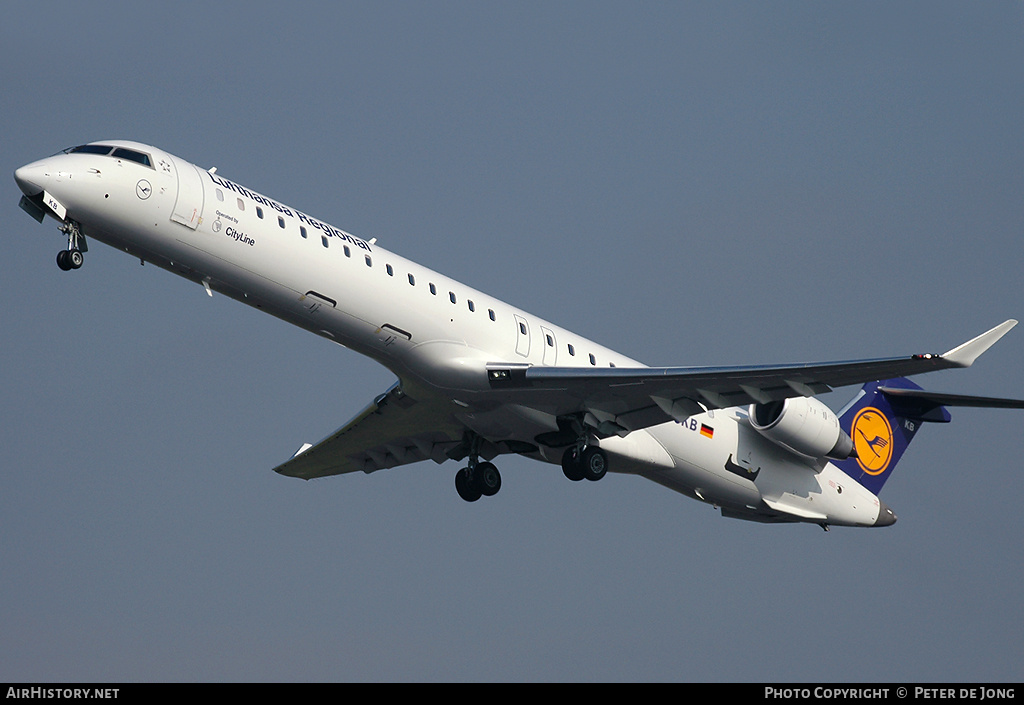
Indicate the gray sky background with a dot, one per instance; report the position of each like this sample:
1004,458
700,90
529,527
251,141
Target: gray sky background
689,183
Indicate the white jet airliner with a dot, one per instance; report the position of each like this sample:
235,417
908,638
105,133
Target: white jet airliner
478,378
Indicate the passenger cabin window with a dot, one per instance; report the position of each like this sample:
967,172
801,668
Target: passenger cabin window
391,272
412,280
572,350
280,222
490,313
593,360
433,290
471,306
241,204
302,231
323,239
369,262
220,195
259,212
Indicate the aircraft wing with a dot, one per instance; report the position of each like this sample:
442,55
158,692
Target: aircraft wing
393,430
396,429
620,400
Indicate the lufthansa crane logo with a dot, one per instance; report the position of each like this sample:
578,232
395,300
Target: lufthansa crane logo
143,189
872,439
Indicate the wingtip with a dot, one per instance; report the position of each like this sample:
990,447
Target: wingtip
965,354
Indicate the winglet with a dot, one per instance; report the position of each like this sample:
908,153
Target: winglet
964,355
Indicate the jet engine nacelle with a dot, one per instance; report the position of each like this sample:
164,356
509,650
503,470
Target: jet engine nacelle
802,425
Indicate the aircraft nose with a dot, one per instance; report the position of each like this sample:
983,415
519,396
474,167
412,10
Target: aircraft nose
886,516
30,178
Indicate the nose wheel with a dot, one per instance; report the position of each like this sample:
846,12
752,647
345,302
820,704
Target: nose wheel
70,259
73,257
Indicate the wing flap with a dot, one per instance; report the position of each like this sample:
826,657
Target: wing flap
393,430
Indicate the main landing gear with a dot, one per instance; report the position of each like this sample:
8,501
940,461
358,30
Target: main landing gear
72,258
584,462
477,480
482,479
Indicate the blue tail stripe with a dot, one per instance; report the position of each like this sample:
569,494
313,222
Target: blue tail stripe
880,434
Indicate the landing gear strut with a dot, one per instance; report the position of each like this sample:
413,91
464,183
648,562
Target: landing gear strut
72,258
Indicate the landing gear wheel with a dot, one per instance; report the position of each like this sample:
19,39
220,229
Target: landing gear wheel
571,466
594,463
465,487
483,480
70,259
487,479
590,463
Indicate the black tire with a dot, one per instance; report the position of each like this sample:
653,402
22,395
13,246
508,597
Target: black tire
464,487
62,260
487,479
571,467
594,463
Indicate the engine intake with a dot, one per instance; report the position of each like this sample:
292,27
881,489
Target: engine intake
802,425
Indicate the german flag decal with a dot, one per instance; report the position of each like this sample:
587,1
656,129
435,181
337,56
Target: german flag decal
707,431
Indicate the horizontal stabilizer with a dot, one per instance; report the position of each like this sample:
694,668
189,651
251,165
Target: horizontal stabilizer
885,417
917,403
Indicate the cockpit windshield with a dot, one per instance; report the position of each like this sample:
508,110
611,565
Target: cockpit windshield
90,149
131,155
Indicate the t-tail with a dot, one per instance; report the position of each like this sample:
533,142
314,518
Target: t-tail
885,416
881,429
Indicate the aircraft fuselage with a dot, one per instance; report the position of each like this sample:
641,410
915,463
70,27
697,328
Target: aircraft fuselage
436,334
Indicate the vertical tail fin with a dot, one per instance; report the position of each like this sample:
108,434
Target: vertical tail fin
882,426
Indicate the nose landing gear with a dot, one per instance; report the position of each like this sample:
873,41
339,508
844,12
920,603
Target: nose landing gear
72,258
